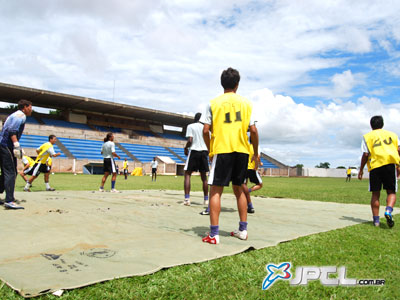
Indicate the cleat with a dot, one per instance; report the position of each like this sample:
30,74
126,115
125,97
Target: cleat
115,191
376,224
389,219
101,190
50,190
211,239
186,202
27,190
12,205
250,210
242,235
205,203
205,213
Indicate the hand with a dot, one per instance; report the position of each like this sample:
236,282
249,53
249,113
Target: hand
360,174
186,151
18,151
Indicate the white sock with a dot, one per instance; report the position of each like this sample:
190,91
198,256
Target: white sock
47,185
27,185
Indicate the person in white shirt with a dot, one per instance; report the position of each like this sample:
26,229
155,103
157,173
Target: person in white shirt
197,158
108,152
154,165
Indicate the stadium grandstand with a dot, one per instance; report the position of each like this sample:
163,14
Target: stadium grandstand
81,123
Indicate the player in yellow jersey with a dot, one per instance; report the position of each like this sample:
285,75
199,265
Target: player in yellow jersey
28,163
381,154
348,172
44,152
255,178
230,116
125,168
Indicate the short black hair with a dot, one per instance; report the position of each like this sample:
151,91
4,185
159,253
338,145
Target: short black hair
197,117
51,136
108,137
230,78
376,122
23,103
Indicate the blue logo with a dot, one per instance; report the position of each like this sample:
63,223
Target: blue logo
275,273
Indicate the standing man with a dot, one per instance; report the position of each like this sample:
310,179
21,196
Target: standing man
45,152
10,150
125,168
348,172
229,116
381,154
109,166
197,158
154,165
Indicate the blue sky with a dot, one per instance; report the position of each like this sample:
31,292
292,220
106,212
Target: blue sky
316,71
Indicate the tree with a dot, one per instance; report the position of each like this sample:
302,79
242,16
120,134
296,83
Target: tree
299,166
341,167
324,165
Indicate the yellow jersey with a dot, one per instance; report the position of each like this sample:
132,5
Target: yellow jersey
125,165
383,148
45,151
231,115
49,161
252,163
348,171
28,160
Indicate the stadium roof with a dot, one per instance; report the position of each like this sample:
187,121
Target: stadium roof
47,99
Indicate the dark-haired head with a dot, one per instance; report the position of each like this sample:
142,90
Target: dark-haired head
230,79
23,103
51,136
197,117
376,122
108,137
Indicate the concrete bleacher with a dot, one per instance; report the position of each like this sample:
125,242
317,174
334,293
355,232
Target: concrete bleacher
145,133
31,120
171,136
267,164
180,152
62,123
107,129
35,141
146,153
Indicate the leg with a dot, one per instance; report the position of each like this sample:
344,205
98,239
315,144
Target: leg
103,180
390,202
256,187
205,184
375,205
9,172
241,202
215,204
186,183
23,176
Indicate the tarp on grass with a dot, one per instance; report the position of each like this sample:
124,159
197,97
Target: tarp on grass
69,239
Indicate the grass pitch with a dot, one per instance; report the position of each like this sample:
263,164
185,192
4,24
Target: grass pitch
366,251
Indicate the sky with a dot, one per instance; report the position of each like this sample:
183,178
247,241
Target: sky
316,71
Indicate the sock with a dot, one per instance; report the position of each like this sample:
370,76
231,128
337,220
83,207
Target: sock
187,196
208,207
242,226
113,184
47,185
102,187
249,190
214,230
27,185
250,205
376,219
205,198
389,209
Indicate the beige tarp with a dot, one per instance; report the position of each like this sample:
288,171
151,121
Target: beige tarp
68,239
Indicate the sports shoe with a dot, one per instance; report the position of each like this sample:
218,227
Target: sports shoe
250,210
101,190
186,202
114,191
211,240
242,235
12,205
27,189
205,202
50,190
389,219
205,213
376,224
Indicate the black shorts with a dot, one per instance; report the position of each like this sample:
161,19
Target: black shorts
39,168
253,176
29,171
197,161
153,170
125,171
109,165
228,167
386,176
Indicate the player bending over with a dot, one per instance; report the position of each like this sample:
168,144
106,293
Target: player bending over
44,152
381,154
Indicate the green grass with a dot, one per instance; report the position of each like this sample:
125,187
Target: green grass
366,251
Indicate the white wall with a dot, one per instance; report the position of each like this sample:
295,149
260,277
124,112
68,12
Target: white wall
319,172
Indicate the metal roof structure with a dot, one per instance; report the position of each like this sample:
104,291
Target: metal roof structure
53,100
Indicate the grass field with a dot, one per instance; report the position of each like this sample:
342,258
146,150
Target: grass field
367,252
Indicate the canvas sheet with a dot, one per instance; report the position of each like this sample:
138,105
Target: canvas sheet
69,239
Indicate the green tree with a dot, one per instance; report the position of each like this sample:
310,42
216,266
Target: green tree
324,165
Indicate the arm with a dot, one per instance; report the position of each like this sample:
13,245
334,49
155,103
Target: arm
254,142
188,144
206,135
56,154
364,159
116,155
